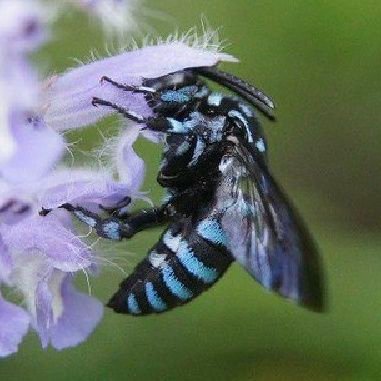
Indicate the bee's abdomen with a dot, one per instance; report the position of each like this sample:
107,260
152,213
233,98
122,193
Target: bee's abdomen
176,270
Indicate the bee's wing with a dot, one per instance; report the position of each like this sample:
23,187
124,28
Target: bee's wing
266,234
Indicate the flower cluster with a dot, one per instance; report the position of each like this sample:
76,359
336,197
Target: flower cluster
39,255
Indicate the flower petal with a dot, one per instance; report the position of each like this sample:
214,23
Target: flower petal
63,249
79,187
5,262
14,323
13,206
43,313
37,150
21,27
81,314
130,167
69,96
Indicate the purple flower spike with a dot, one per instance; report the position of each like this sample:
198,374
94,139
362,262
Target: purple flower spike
68,98
14,324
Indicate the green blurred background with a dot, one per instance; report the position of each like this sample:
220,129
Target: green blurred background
320,60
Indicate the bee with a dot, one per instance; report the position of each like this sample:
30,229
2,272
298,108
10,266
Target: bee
222,204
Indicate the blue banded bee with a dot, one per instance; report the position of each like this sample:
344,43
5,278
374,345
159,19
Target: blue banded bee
222,203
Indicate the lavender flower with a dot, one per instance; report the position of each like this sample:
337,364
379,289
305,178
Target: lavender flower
39,256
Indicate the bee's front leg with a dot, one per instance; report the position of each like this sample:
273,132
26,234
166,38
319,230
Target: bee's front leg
115,228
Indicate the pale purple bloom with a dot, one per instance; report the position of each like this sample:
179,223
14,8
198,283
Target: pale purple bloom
39,256
81,314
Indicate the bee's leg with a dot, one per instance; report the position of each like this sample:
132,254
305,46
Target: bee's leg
120,109
132,88
157,124
115,228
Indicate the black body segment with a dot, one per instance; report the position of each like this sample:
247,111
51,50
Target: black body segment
182,265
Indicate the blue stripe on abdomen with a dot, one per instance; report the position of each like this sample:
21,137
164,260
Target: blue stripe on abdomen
154,299
211,230
194,266
176,287
171,241
133,305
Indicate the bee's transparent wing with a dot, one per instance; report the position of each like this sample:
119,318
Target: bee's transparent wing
266,235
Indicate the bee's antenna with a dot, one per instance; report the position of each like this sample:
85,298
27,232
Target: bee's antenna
249,92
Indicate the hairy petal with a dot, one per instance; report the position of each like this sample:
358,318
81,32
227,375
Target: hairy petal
63,316
68,97
79,187
130,166
14,323
62,248
81,314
